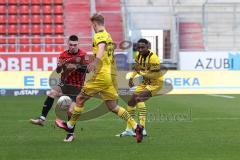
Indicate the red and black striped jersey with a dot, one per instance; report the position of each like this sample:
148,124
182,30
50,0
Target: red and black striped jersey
72,77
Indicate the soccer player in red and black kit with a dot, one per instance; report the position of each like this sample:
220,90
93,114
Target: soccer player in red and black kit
71,67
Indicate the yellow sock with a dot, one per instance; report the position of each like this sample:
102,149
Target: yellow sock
126,116
75,115
131,111
142,113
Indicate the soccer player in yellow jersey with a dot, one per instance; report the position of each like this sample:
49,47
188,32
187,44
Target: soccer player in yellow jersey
103,81
147,66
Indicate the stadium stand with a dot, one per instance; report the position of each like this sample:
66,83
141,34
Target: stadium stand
79,10
189,31
40,20
113,17
28,25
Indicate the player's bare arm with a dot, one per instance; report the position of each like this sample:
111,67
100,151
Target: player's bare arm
99,55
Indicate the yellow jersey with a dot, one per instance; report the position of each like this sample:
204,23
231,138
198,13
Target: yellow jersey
150,67
107,64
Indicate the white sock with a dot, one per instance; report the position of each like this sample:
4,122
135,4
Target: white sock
135,126
128,129
42,118
69,125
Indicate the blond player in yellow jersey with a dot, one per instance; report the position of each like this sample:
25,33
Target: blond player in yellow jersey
147,66
103,81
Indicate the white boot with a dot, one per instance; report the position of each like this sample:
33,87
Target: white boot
127,132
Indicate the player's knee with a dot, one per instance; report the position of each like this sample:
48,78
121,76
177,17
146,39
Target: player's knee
112,105
53,94
133,100
69,114
143,96
131,103
113,109
80,100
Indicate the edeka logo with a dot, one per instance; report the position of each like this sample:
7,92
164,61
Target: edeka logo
183,82
236,59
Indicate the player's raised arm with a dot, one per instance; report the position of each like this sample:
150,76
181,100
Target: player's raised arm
59,65
136,70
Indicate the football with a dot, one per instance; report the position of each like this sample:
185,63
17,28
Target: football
64,102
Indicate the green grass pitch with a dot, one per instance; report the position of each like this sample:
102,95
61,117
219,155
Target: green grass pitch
180,127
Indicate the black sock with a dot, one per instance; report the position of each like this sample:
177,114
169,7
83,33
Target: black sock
72,130
47,106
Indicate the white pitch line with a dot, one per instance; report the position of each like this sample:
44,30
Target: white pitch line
222,96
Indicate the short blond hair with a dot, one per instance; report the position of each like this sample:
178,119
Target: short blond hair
98,18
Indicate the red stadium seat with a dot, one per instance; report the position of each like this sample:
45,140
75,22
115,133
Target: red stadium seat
12,29
3,2
36,19
36,40
36,29
3,29
3,9
24,19
59,40
24,9
12,9
2,19
59,48
36,2
48,48
58,29
3,40
47,19
48,40
46,2
24,40
35,9
12,19
36,48
58,19
23,2
58,1
12,1
11,48
24,29
12,39
47,29
58,9
2,48
24,48
47,9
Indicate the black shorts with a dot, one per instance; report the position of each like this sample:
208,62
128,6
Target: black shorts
70,90
73,98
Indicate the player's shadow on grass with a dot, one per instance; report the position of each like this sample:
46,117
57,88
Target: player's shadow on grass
101,109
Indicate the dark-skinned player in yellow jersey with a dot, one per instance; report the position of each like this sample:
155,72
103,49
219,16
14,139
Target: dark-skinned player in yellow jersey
148,66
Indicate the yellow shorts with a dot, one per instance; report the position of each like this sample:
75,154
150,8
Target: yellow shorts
154,89
104,85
